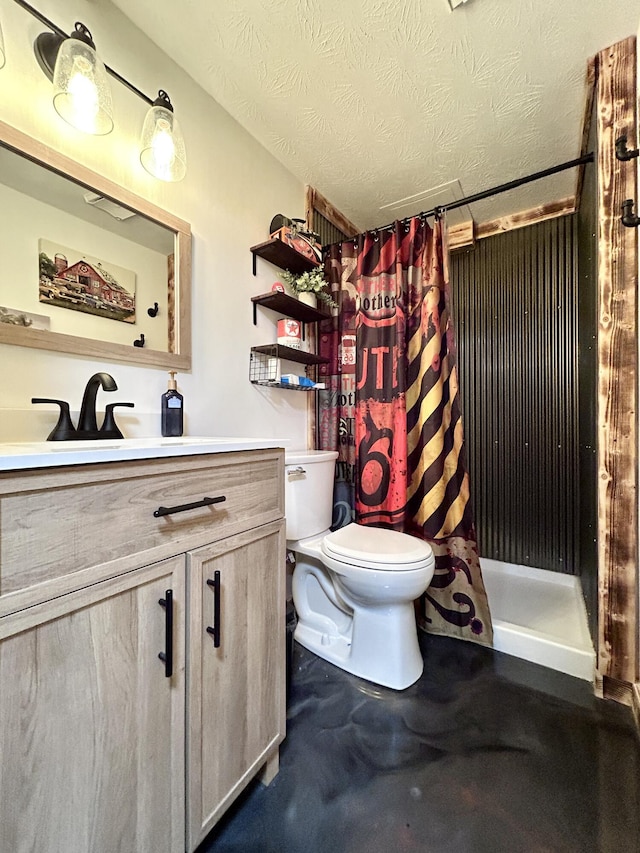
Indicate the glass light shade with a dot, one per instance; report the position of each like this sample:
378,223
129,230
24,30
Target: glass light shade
162,151
81,92
3,55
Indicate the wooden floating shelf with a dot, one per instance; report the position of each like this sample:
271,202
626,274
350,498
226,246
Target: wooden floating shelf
282,255
289,306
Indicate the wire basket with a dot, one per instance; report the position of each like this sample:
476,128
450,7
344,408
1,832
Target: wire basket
265,369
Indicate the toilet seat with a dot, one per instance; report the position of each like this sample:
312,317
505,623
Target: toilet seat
376,548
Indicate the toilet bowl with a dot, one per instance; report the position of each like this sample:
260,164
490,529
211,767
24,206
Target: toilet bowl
353,588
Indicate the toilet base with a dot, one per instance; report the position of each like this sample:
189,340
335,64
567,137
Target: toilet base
396,662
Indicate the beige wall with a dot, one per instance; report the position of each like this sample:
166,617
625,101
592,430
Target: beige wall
30,221
232,189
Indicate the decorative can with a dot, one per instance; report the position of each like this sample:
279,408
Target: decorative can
289,333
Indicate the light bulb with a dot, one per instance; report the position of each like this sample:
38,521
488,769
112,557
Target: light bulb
162,151
81,90
83,96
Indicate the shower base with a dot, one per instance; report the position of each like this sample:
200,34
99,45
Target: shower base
539,616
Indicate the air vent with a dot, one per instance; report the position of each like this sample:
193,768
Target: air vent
110,207
428,200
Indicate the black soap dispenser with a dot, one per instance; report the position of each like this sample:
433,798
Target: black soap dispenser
172,409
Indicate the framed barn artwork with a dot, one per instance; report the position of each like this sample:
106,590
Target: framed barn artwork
70,279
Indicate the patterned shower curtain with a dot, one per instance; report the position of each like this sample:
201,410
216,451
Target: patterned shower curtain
392,411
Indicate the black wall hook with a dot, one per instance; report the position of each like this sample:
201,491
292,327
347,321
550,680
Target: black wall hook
153,312
622,152
140,341
629,219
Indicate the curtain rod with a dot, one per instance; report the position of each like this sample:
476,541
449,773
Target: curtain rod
502,188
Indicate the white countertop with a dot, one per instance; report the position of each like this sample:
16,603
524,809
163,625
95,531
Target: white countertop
15,456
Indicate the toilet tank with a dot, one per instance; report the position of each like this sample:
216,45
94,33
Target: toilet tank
308,491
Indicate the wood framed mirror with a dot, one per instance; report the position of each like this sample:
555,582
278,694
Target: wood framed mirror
89,267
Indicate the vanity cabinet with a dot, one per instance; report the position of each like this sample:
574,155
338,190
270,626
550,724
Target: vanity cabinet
100,744
92,752
234,664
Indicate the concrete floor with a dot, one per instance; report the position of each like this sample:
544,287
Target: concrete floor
486,753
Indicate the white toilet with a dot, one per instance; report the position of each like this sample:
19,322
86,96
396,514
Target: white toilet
353,589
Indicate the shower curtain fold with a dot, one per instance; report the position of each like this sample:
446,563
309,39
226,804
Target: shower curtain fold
392,411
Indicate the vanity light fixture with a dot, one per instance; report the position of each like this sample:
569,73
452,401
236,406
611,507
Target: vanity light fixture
81,92
162,151
3,55
83,98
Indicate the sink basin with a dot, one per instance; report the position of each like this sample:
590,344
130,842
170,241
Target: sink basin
109,444
43,454
124,443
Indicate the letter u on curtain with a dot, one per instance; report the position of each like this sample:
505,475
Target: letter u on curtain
410,472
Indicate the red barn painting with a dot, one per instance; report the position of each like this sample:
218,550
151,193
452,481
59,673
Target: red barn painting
83,283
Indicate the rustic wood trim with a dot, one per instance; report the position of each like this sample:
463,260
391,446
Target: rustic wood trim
309,194
38,152
617,402
461,236
533,215
314,200
592,73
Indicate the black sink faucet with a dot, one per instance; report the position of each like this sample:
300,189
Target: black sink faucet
87,421
87,428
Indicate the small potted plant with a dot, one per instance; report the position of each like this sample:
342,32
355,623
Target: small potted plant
309,287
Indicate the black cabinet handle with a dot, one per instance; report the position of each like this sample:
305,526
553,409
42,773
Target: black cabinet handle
215,631
167,655
168,510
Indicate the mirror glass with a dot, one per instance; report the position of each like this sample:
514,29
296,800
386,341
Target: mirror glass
88,268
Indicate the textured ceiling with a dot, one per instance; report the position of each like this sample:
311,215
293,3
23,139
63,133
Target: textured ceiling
372,102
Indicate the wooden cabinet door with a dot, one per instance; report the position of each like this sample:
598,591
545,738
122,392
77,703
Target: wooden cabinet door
235,692
92,730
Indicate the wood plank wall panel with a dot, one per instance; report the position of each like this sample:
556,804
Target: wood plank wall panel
618,379
515,312
588,385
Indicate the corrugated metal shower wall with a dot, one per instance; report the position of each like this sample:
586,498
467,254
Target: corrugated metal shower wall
327,231
514,302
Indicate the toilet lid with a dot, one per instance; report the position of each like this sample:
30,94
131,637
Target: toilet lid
377,547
